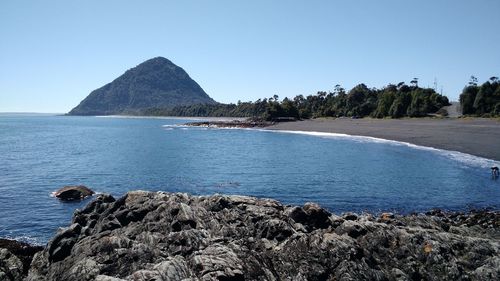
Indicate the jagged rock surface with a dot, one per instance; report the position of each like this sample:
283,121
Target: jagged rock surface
15,259
11,267
163,236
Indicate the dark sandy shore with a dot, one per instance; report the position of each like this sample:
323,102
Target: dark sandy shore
480,137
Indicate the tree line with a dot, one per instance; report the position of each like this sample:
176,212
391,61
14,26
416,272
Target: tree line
483,100
394,100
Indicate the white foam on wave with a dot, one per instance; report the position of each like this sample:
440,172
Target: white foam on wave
174,126
465,158
24,238
185,127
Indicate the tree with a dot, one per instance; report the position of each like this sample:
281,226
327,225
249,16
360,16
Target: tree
338,90
496,110
414,82
399,106
355,99
393,100
473,81
384,103
289,109
421,103
481,100
483,103
467,99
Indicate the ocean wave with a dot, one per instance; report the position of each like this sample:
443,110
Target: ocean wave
185,127
175,126
24,238
465,158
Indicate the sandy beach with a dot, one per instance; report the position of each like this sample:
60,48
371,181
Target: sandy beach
480,137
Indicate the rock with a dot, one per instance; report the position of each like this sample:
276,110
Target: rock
350,216
11,267
107,278
386,216
15,258
311,215
351,228
61,244
175,236
74,192
248,123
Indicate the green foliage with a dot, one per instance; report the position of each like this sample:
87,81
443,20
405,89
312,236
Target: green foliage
385,101
399,107
481,100
246,109
467,99
424,101
361,101
496,110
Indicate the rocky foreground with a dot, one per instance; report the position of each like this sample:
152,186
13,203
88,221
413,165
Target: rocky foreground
15,259
164,236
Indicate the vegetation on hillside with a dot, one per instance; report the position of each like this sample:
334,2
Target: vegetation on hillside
394,101
481,100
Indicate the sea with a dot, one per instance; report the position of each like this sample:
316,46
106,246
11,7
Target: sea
42,153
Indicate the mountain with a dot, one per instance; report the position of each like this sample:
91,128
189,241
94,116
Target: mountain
155,83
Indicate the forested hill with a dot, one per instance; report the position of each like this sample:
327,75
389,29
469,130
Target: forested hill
154,83
393,100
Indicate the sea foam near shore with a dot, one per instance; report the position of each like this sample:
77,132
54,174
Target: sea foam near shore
465,158
458,156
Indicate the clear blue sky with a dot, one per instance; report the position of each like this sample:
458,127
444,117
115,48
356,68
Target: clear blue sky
54,53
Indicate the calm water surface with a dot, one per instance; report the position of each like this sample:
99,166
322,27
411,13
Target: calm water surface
39,154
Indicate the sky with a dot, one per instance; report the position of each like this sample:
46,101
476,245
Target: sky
54,53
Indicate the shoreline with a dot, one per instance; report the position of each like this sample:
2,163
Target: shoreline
474,136
453,154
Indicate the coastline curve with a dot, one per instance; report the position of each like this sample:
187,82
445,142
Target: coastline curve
463,157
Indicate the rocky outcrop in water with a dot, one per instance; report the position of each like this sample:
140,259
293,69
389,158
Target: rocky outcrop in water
250,123
163,236
74,192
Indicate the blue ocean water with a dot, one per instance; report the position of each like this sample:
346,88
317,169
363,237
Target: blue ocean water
39,154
